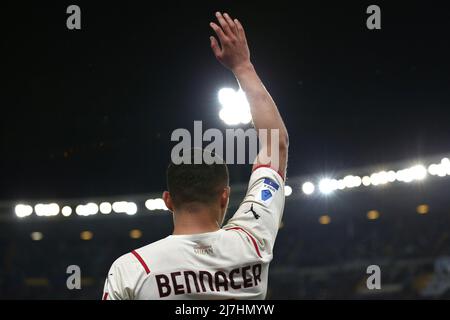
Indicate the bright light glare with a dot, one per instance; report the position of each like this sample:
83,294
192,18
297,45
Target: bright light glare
46,210
235,107
325,219
308,188
327,186
366,181
87,209
391,176
418,172
422,209
440,169
378,178
130,208
23,210
105,207
135,234
155,204
373,214
351,182
36,236
66,211
86,235
445,163
287,191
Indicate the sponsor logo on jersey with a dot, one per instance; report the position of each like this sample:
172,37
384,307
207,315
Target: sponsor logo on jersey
203,250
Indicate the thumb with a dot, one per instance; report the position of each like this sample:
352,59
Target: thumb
215,46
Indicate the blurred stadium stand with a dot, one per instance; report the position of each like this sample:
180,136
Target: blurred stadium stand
408,237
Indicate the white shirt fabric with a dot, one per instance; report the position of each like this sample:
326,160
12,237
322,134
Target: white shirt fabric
231,263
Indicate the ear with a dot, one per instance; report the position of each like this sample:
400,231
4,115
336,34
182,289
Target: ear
224,197
168,200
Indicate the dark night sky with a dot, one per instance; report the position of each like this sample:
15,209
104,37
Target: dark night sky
90,112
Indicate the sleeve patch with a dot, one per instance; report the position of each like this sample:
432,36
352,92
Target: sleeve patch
266,194
270,183
267,191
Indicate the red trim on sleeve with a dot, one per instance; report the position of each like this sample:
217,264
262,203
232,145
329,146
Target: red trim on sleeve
268,166
105,296
137,255
251,238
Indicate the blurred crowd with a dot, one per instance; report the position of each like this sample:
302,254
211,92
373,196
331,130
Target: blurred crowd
311,260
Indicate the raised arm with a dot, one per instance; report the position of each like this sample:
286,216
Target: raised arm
234,54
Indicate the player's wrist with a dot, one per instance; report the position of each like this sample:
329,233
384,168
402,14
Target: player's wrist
243,68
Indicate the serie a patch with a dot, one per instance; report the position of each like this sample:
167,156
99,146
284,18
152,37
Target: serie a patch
267,191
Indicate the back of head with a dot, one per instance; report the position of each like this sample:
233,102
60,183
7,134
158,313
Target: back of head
196,183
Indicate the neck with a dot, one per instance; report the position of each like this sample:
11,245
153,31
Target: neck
195,220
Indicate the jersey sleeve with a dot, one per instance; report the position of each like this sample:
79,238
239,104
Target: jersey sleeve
114,285
261,211
120,282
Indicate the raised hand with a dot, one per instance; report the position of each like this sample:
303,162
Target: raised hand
233,51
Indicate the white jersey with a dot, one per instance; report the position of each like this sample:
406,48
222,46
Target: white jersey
231,263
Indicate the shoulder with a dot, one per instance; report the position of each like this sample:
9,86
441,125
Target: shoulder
144,259
136,259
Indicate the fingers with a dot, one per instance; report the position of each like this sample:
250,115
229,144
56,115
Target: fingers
240,29
224,24
215,46
230,22
219,32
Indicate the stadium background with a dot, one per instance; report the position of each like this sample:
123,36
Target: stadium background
87,117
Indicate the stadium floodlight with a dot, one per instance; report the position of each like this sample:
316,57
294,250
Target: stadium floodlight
445,163
87,209
437,170
86,235
422,209
66,211
36,236
378,178
161,204
135,234
404,176
105,207
357,181
417,172
374,179
327,186
155,204
46,209
349,182
308,188
325,219
366,181
391,176
235,108
23,210
440,169
287,191
373,215
433,169
129,208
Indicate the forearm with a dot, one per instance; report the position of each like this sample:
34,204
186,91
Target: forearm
264,111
